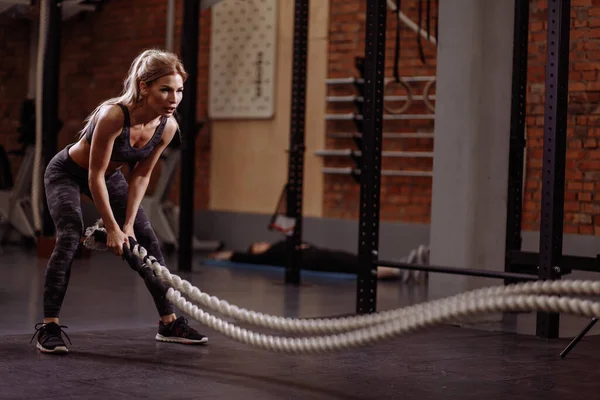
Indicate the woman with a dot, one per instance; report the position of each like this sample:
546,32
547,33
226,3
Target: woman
131,129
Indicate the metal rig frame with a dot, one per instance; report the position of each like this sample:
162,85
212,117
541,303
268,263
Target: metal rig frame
549,262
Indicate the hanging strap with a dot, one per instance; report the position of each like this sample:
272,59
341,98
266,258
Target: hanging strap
435,26
420,45
397,50
428,19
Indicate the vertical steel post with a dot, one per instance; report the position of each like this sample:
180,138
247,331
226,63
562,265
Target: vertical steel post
296,152
370,177
555,138
189,129
517,130
50,99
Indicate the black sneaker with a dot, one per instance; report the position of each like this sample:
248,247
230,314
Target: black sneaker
179,331
49,338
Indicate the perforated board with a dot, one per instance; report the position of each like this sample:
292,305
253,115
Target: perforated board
242,59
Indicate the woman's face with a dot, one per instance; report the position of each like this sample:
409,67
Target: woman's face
165,94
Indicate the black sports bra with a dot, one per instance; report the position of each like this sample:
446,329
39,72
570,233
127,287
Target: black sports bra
122,150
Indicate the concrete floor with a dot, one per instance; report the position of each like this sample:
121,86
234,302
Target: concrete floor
112,322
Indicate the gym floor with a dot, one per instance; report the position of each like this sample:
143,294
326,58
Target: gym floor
112,323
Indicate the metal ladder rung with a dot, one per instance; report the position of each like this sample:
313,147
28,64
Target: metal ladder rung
358,153
345,81
386,135
348,99
354,171
388,117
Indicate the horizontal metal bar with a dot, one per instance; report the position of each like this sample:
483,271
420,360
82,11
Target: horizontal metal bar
408,116
358,153
340,171
341,152
358,117
349,99
342,117
576,263
351,80
356,171
414,135
407,154
343,99
342,81
458,271
393,172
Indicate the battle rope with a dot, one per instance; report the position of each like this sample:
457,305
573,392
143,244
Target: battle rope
365,329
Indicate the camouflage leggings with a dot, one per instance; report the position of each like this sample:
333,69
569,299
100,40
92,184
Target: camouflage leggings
64,181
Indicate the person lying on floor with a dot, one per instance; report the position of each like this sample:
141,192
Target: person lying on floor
313,258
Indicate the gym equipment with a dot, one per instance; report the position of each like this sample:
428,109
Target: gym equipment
15,200
577,338
353,331
163,214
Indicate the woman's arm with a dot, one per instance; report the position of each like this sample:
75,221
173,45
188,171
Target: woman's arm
108,127
140,176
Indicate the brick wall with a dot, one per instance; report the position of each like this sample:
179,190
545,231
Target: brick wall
402,198
408,199
582,206
97,49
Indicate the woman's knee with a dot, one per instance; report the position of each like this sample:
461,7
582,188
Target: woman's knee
69,238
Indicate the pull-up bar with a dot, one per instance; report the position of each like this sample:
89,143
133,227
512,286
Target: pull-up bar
358,153
386,117
356,172
358,135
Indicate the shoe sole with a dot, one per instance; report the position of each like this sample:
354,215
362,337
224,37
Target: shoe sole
56,350
167,339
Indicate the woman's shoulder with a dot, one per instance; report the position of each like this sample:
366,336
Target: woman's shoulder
111,116
171,127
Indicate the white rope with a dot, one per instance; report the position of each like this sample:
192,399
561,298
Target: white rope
332,325
428,316
37,160
364,329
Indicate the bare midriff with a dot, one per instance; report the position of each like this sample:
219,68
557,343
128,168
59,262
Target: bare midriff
80,153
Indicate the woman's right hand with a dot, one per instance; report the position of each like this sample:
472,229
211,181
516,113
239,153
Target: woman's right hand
114,241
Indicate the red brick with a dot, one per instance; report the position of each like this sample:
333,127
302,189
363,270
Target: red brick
574,186
572,206
584,196
590,143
